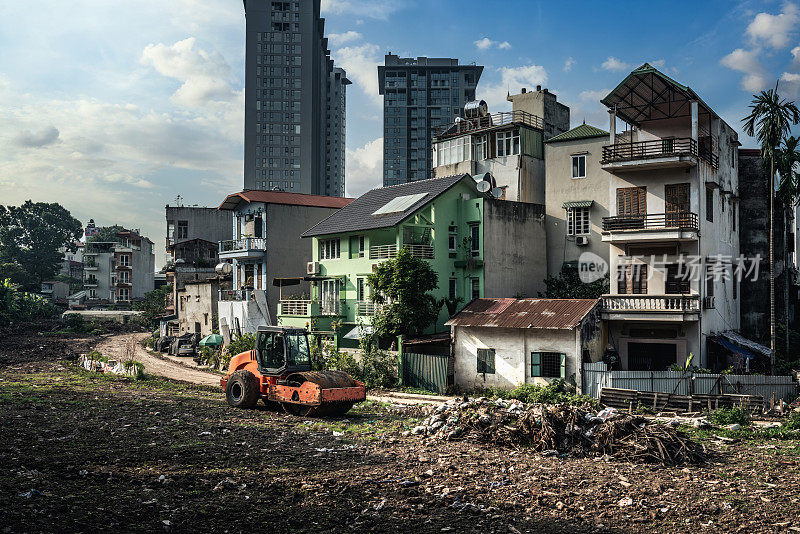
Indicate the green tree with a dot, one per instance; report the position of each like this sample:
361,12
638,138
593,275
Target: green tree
106,234
770,120
31,236
154,305
786,162
402,287
568,285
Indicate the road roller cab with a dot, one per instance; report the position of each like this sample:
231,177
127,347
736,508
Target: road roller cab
278,370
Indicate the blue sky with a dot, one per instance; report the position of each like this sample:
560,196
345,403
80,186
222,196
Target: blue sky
114,108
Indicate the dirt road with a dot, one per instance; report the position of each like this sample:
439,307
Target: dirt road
117,346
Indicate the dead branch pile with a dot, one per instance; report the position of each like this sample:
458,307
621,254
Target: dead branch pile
563,429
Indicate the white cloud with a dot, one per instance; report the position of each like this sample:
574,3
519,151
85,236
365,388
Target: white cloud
373,9
512,79
774,30
204,75
337,39
364,168
39,139
795,58
746,62
485,44
593,96
361,63
615,64
791,83
568,64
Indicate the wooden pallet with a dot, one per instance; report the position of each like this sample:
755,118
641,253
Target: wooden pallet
629,399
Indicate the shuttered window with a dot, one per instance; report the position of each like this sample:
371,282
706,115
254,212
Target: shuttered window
632,279
631,201
548,364
486,361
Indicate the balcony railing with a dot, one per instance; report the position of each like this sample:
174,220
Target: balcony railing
489,121
295,307
366,308
681,220
647,303
310,308
659,148
235,294
385,252
90,282
245,243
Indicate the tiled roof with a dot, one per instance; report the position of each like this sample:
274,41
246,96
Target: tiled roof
283,197
358,215
584,131
554,314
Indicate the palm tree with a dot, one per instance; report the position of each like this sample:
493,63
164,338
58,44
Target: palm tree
788,157
770,119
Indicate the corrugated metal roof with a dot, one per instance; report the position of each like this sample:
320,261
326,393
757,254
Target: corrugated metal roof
283,197
360,214
555,314
578,204
584,131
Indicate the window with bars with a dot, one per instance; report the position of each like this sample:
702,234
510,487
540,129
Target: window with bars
451,288
328,249
578,221
486,361
548,364
709,204
475,286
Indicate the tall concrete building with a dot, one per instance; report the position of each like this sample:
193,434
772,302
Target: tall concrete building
419,97
290,84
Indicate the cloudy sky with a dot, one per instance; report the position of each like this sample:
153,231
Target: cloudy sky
114,108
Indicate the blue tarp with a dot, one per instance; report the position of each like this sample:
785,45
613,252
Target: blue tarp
744,353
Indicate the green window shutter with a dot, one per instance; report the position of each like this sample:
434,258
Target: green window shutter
481,361
490,361
563,366
536,364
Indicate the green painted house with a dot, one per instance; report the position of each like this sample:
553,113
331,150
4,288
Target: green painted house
479,247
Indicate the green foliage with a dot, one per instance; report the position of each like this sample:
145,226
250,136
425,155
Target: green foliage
375,367
18,275
210,357
793,421
567,285
31,236
729,416
154,305
785,363
402,285
20,306
787,161
451,304
76,324
238,344
556,392
106,234
770,120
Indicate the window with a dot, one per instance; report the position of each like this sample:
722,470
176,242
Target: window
579,166
360,289
578,221
183,230
709,204
453,151
125,277
632,279
475,240
329,249
125,260
735,284
486,361
631,201
548,364
475,285
733,212
124,294
507,143
451,288
452,239
356,246
479,150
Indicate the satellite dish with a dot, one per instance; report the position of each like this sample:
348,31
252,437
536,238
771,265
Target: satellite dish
223,268
484,186
497,192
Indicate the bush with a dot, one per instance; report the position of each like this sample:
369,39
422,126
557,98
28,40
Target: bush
729,416
17,305
376,368
793,421
210,357
555,392
239,344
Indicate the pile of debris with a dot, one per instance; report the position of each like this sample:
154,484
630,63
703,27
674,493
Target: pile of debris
562,429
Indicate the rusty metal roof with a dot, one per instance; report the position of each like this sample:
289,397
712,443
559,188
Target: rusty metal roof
556,314
283,197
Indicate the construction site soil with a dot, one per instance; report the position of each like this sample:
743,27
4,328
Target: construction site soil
83,452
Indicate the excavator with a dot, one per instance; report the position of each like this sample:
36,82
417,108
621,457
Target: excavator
278,371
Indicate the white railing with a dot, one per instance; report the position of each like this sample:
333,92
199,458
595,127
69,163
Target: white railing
366,308
245,243
295,307
308,308
385,252
330,307
682,303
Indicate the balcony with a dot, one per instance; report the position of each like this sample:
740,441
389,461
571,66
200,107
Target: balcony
647,227
311,308
491,120
235,295
246,247
366,308
90,282
90,266
679,152
385,252
646,307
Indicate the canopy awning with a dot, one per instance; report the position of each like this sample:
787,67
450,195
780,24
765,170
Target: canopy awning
284,282
577,204
734,349
359,331
741,341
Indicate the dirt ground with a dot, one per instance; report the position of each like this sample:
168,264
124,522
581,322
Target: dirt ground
81,452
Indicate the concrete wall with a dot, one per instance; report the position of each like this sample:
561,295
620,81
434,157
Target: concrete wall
515,259
143,261
544,104
560,187
246,313
210,224
197,305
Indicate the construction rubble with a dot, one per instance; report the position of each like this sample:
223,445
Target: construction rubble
561,429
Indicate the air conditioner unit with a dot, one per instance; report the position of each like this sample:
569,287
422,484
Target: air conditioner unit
581,240
708,303
312,267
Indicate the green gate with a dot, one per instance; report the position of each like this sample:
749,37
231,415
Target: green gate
424,371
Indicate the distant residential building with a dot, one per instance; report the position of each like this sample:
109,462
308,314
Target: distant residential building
266,244
293,96
509,146
576,190
506,342
197,305
118,272
479,246
72,264
419,96
56,291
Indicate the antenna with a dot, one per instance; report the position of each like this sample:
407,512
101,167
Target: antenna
484,186
497,192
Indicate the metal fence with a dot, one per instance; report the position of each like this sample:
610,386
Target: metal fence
424,371
596,376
